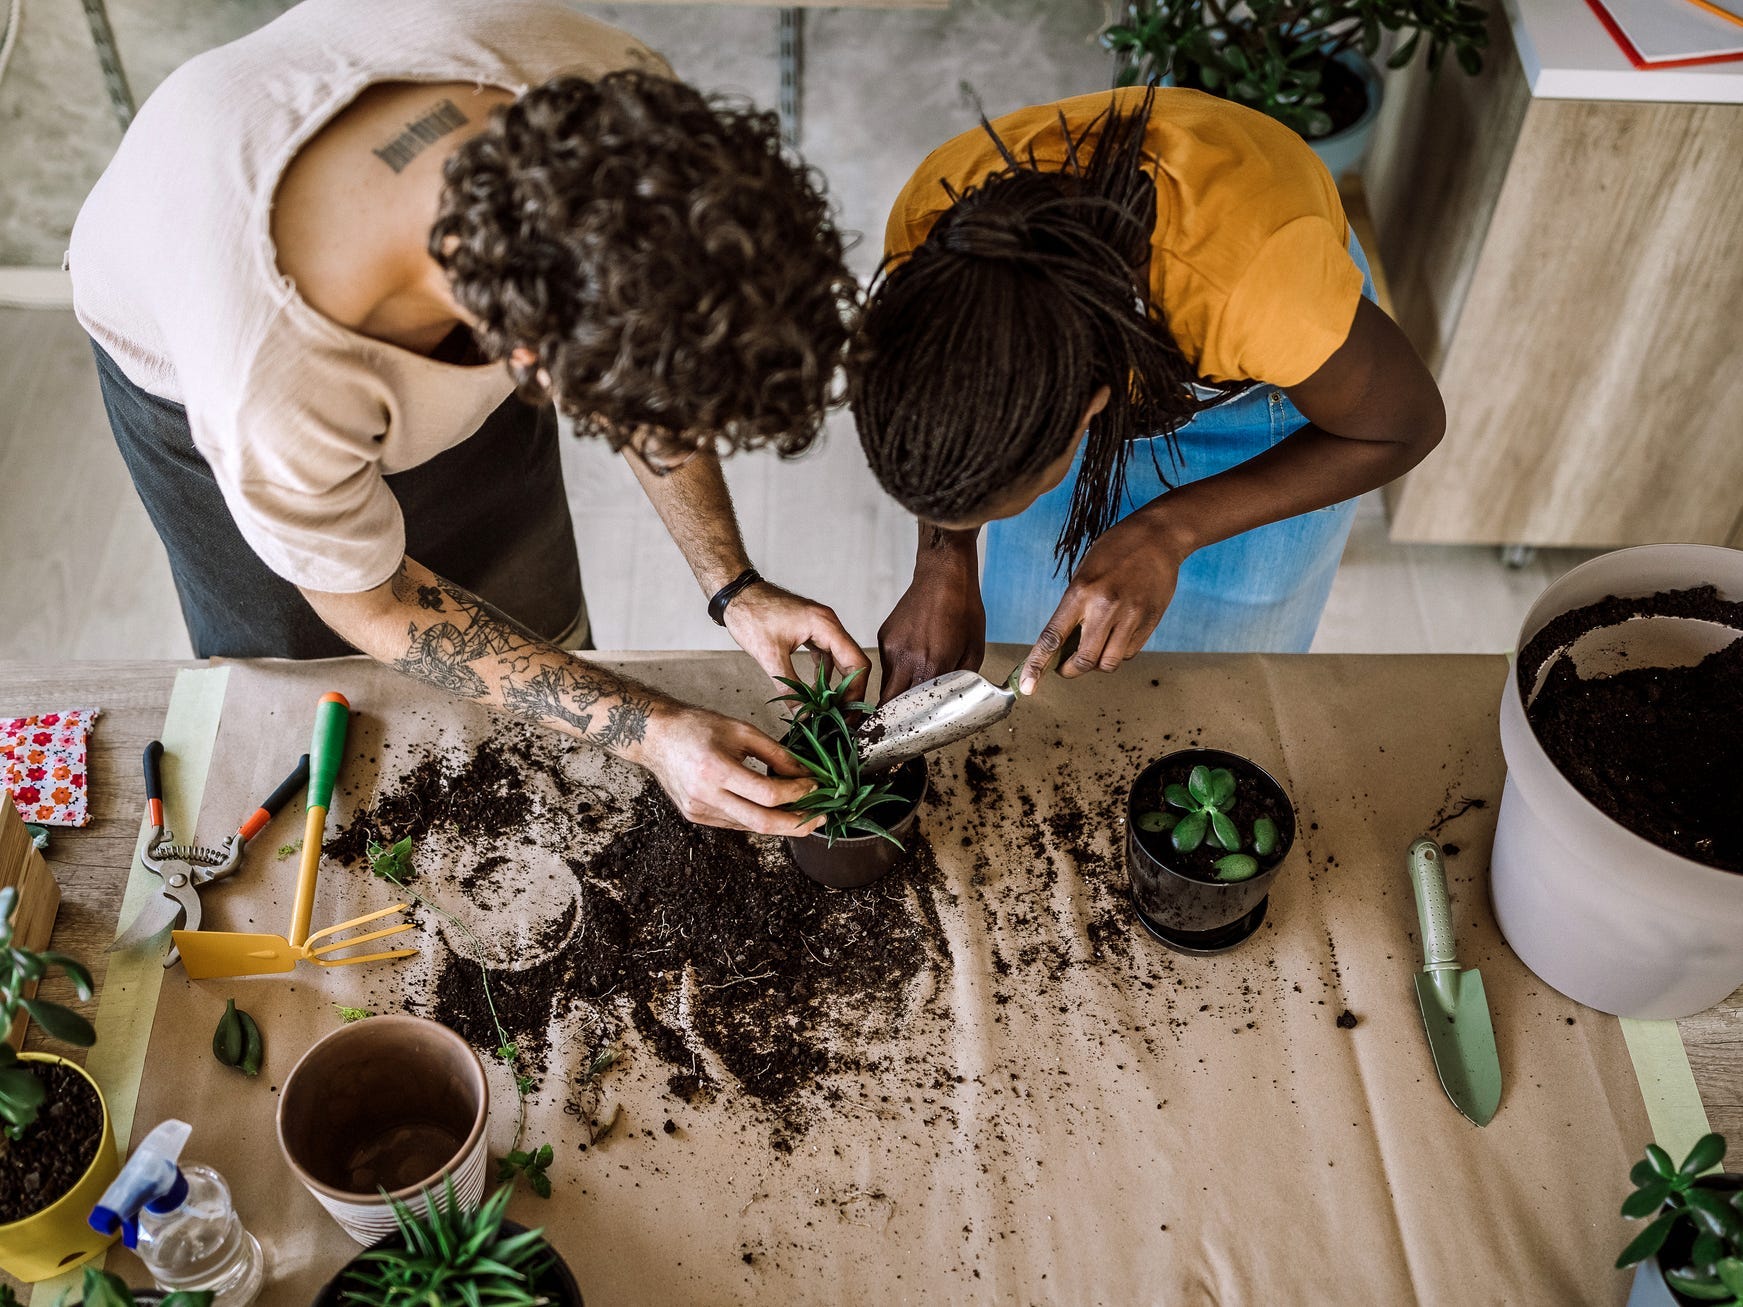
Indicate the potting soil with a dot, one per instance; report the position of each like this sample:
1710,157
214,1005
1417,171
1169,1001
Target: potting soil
47,1162
1660,749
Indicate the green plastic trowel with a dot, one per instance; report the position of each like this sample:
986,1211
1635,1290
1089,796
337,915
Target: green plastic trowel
1455,1009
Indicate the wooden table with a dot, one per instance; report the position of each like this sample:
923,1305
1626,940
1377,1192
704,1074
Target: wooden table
92,864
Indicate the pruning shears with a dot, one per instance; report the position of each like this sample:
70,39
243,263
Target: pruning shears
182,869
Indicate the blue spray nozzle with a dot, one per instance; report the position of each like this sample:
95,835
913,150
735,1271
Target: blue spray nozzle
151,1179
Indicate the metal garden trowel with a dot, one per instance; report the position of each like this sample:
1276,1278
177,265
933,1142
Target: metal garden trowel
931,715
1455,1008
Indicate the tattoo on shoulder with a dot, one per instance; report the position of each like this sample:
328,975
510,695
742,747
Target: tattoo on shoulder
419,134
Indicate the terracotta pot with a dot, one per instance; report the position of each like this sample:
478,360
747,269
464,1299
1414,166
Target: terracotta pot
396,1103
557,1283
1609,918
1183,911
862,859
60,1238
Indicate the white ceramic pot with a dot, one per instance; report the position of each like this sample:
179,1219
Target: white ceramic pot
1606,917
397,1104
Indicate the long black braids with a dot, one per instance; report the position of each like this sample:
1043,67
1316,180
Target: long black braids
980,352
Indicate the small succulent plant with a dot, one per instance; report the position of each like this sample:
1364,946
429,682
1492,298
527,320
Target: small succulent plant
1202,816
820,737
451,1256
1673,1197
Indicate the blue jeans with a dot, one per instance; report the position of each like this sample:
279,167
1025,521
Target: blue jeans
1261,590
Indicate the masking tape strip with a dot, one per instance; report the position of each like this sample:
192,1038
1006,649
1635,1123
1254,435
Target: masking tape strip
1673,1102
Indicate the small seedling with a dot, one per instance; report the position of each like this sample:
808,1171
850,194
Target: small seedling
237,1042
21,1093
290,850
1671,1195
104,1289
1203,805
393,863
819,736
529,1164
350,1014
451,1256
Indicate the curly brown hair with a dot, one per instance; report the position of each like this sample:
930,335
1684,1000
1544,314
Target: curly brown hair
677,273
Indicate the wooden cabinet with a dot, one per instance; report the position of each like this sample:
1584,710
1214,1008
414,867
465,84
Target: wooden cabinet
1572,270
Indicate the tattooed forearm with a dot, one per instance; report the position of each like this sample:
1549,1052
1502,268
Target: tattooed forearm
419,134
474,651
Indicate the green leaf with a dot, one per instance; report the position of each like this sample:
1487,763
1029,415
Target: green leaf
1224,832
75,972
1236,866
1177,796
1701,1285
1265,837
1715,1214
1730,1272
1157,823
1198,784
1660,1161
1189,832
1645,1201
1222,787
22,1092
1648,1241
28,965
1708,1152
62,1023
350,1014
105,1289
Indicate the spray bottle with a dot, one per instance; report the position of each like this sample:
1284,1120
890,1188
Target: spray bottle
179,1219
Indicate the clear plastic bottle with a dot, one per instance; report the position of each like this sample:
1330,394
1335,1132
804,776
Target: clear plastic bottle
201,1244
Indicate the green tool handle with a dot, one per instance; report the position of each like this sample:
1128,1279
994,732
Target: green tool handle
1440,949
327,748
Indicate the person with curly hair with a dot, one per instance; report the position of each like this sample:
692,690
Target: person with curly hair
341,276
1132,336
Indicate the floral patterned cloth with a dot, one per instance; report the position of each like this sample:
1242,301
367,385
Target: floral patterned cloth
42,762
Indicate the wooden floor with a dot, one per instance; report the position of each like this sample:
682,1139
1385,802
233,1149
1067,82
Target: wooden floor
82,574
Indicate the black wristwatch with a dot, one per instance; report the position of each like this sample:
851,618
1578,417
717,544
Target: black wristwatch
727,593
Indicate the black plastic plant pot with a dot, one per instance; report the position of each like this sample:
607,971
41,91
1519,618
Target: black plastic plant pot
860,860
557,1284
1179,898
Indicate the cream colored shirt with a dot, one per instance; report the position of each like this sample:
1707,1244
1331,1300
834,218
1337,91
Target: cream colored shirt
176,277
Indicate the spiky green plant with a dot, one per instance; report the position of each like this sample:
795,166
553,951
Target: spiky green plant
21,1093
451,1256
1203,804
821,738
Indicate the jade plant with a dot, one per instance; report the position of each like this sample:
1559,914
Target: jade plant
1271,55
1202,817
1712,1220
451,1256
21,1093
821,738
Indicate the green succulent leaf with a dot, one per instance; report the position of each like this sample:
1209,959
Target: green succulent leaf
1715,1214
1659,1161
1222,787
1701,1285
1198,784
1708,1152
1730,1272
1224,832
1648,1241
1177,796
1265,837
1157,823
1643,1202
1188,832
1236,866
62,1023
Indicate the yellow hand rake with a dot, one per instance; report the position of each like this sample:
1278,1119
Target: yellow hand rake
210,954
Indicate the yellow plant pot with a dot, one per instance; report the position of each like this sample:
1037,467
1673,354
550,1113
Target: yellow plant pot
60,1237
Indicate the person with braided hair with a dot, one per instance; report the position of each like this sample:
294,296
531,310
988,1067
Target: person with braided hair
1133,337
341,276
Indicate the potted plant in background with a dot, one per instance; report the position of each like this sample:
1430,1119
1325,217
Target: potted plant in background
451,1256
101,1289
1306,63
865,821
1692,1252
1206,833
57,1155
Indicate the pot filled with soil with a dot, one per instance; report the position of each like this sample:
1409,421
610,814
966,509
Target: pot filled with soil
394,1103
453,1255
1206,834
1617,873
1690,1250
851,861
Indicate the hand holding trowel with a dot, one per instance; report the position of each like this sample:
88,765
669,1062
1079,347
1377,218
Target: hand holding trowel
1455,1008
211,953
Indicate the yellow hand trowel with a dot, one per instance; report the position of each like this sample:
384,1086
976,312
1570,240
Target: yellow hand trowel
208,954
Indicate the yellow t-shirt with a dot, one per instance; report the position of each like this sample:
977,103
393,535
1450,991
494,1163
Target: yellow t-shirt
1250,260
